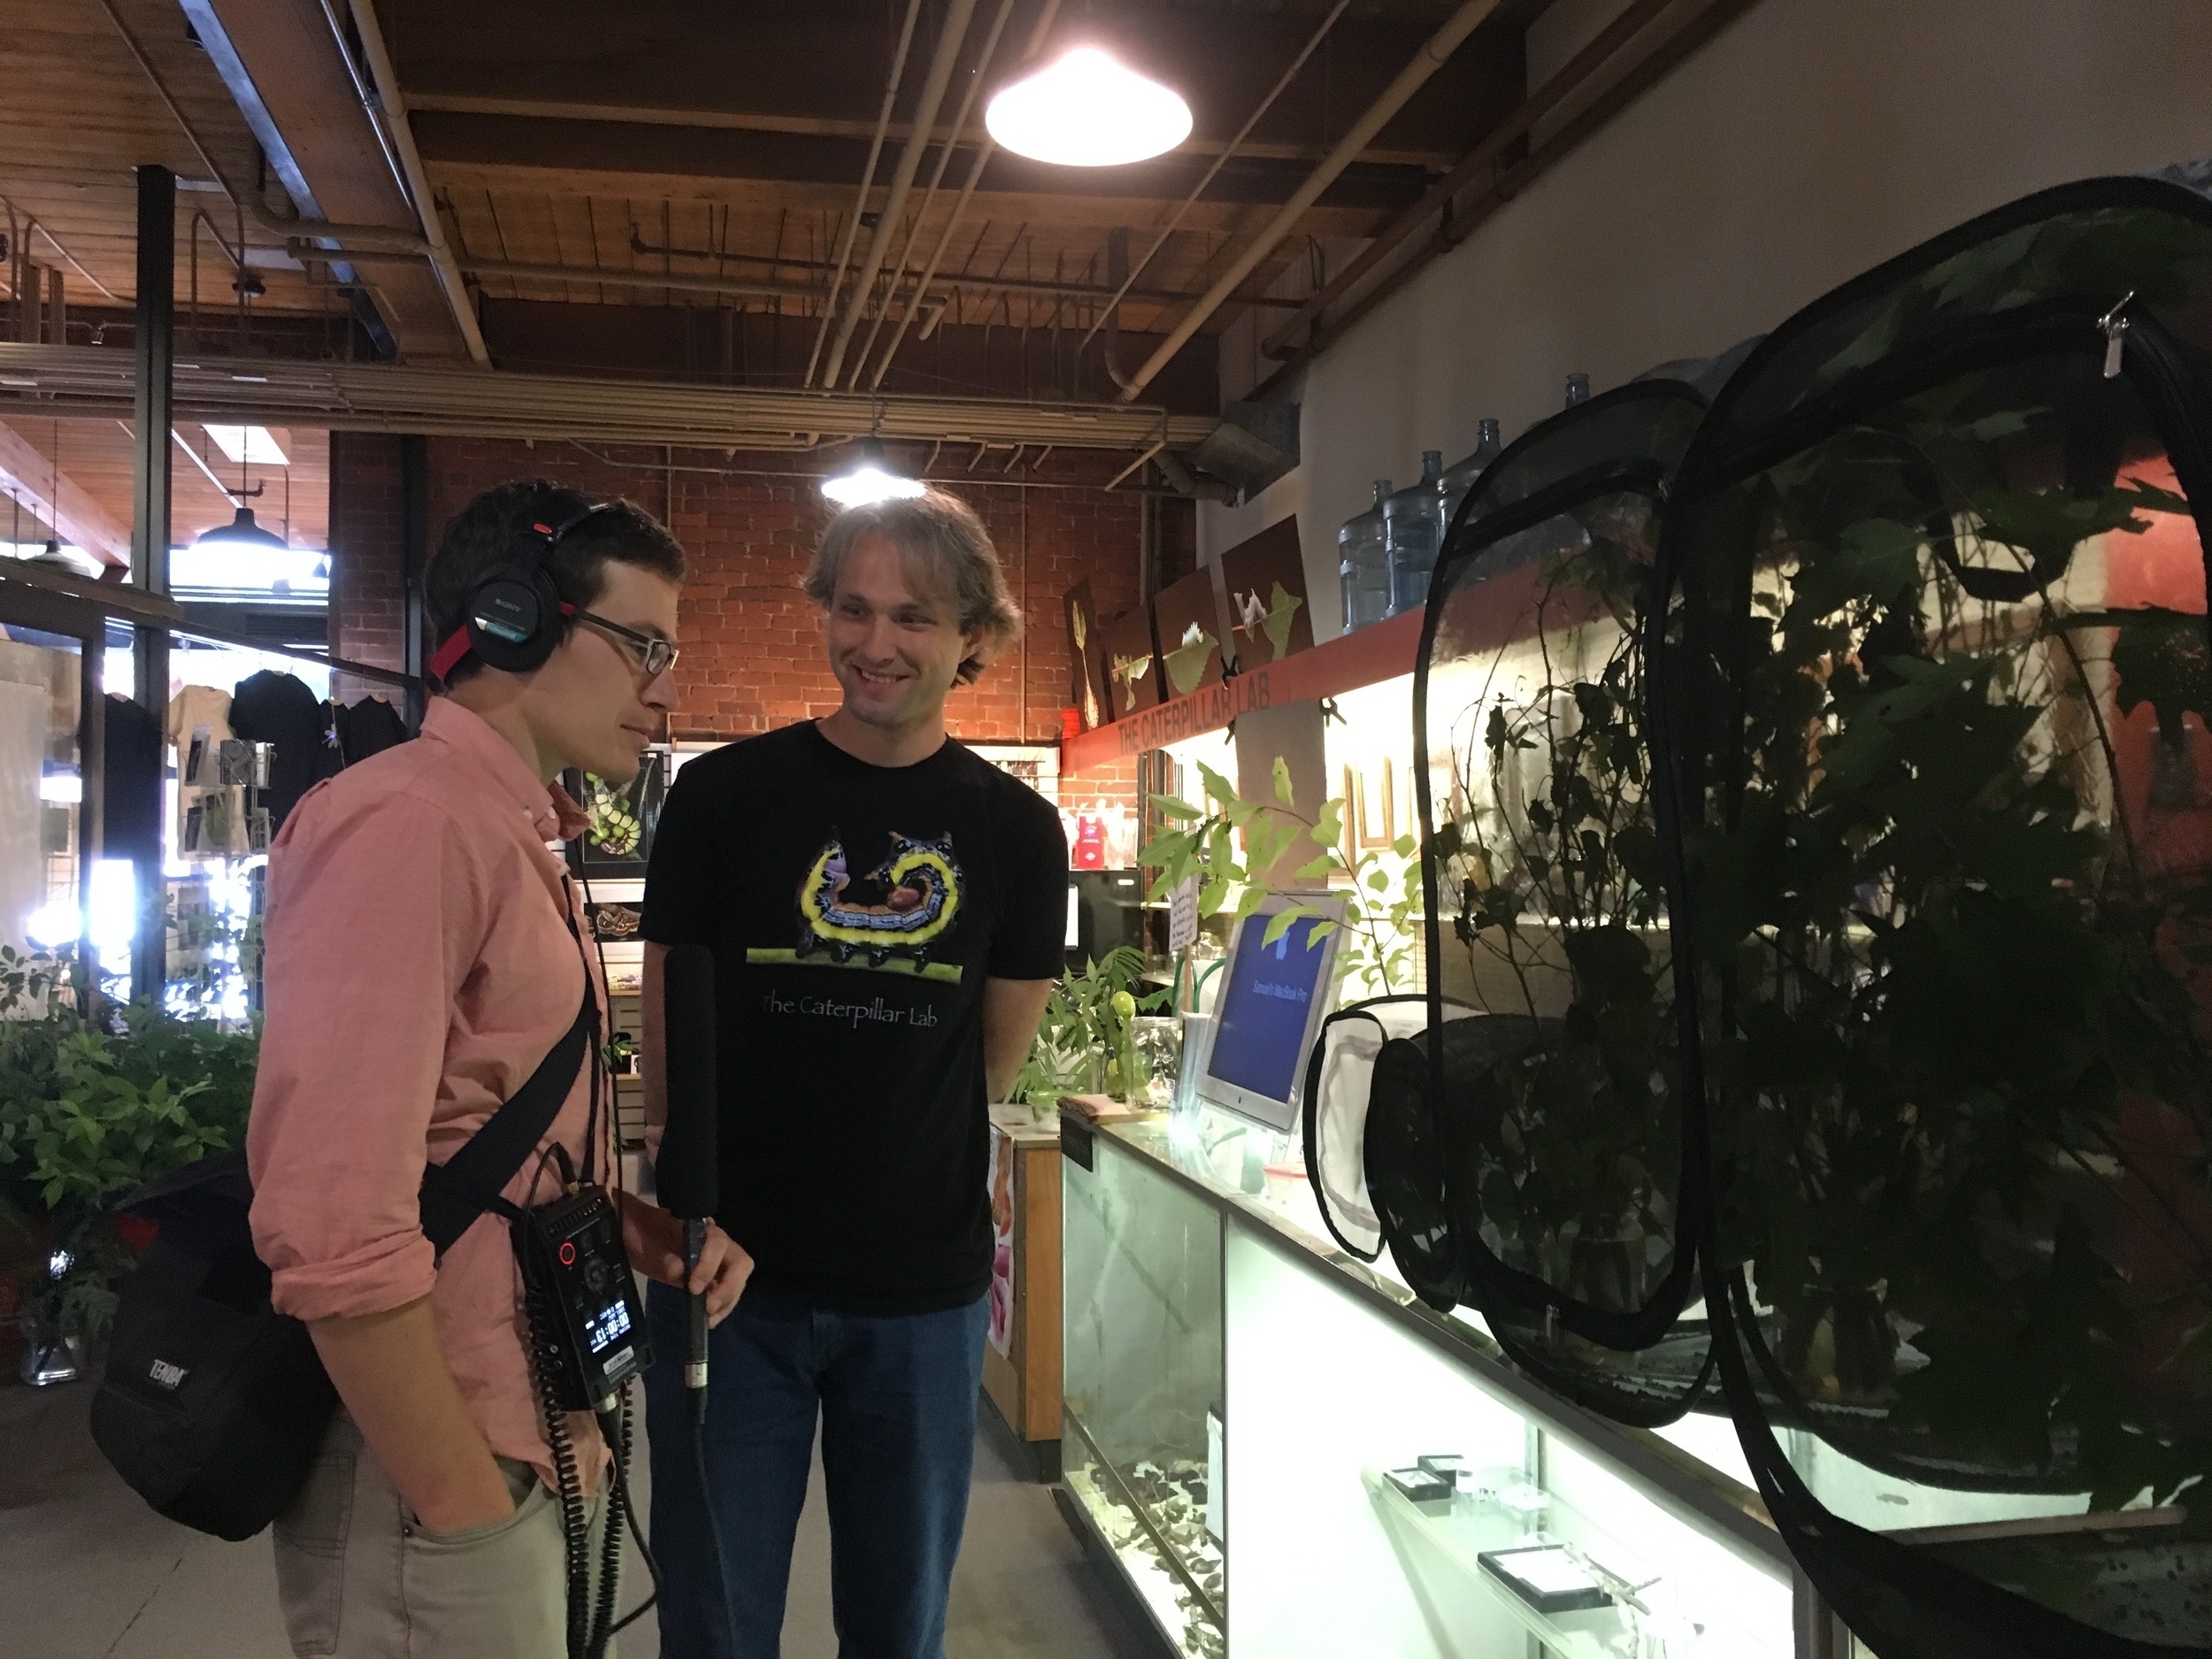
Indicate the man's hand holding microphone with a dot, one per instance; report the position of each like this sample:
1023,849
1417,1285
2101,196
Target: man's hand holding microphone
677,1241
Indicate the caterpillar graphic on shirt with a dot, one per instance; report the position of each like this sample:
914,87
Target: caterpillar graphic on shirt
900,909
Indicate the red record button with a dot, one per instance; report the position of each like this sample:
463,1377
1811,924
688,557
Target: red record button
568,1254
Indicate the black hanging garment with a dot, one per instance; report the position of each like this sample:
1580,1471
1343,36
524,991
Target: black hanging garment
368,728
1528,1159
279,709
1932,678
130,784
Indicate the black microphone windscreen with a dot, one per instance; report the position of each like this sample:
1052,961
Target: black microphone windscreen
687,1175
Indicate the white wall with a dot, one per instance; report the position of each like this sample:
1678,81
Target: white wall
1810,139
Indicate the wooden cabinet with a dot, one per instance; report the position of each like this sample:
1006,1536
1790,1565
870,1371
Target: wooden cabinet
1021,1361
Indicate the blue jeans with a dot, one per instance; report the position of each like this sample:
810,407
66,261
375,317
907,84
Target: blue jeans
896,1396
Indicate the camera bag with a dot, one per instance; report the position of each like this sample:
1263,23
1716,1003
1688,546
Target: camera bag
211,1402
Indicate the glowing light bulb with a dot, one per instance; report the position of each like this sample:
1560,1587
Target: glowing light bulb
870,478
1086,110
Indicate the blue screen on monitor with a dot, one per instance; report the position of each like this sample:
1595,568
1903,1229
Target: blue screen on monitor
1260,1043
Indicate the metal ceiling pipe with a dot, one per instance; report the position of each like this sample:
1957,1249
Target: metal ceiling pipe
1425,63
958,15
867,182
1127,277
1046,17
976,76
380,237
1585,63
743,288
80,381
394,111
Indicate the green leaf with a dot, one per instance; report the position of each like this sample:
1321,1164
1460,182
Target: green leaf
1877,559
1218,787
2161,659
1316,869
1282,781
1281,923
1168,806
1404,845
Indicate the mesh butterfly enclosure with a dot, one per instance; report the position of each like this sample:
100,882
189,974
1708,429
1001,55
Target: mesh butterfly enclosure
1931,678
1550,1116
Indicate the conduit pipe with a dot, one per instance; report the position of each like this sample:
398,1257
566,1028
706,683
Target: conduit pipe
957,14
1046,17
867,182
1410,79
385,238
417,183
54,380
1569,80
944,157
1127,278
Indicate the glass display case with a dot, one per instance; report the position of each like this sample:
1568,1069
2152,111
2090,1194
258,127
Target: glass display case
1143,1405
1287,1455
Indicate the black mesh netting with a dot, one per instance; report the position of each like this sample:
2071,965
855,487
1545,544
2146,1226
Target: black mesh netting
1933,682
1552,1112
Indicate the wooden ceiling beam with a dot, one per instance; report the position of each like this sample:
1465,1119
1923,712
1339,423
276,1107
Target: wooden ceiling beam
804,68
1060,213
1204,146
301,80
51,494
457,146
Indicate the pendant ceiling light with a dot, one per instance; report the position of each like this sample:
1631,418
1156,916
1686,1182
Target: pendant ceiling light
1086,110
240,532
870,478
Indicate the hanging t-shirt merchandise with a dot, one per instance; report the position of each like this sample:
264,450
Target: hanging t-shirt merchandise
273,708
854,912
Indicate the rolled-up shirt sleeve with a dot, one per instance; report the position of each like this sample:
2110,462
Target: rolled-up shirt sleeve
371,920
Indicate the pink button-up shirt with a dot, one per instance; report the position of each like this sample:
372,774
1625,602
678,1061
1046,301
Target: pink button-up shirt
419,967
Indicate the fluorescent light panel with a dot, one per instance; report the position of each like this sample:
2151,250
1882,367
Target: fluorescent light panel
257,444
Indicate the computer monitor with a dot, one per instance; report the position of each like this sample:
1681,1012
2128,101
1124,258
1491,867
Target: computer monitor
1271,1006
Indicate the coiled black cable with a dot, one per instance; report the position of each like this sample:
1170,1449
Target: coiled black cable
575,1526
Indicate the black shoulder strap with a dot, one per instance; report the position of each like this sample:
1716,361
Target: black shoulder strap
456,1192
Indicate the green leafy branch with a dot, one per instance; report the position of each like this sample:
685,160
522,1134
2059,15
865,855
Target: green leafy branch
1382,885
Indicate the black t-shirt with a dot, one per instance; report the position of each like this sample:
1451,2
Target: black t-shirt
854,912
267,707
131,781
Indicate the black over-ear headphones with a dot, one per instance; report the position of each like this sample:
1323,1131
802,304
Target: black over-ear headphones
516,615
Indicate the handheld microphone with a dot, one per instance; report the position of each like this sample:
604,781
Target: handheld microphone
687,1174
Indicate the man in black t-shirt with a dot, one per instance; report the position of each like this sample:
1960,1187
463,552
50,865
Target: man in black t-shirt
887,912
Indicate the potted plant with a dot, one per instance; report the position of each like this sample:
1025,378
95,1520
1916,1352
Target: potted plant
1961,1106
1084,1045
89,1110
1547,861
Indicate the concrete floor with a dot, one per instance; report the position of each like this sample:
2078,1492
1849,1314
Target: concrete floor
86,1571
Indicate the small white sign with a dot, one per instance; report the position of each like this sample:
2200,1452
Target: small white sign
1182,917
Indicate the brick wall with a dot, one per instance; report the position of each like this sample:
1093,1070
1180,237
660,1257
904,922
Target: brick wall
752,647
365,556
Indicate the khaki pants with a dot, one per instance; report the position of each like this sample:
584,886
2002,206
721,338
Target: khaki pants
359,1578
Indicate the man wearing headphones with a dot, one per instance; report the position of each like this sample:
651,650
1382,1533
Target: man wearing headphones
425,953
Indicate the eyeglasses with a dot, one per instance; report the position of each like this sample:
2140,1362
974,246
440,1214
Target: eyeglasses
652,654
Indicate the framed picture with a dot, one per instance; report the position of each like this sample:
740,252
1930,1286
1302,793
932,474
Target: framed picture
1270,615
618,841
1186,621
1036,764
1132,662
1086,659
